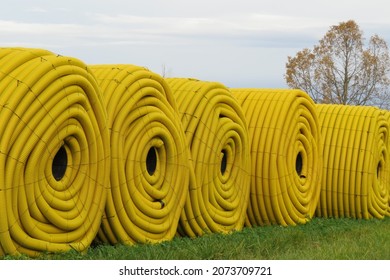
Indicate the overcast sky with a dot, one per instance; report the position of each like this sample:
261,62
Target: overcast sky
243,43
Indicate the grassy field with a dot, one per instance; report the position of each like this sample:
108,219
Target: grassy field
320,239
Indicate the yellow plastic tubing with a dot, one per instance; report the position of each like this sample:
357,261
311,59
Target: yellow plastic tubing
286,155
54,153
217,137
355,181
387,117
149,157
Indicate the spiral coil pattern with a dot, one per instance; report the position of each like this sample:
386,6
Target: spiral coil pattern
285,145
149,161
216,135
54,153
356,172
116,153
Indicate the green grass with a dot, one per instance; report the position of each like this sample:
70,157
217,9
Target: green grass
320,239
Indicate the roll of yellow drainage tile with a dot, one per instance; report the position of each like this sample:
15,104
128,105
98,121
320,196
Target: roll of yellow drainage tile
387,117
217,136
149,157
54,153
355,181
286,155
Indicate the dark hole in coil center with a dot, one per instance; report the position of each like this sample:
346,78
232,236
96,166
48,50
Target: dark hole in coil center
299,164
59,165
151,161
223,162
378,170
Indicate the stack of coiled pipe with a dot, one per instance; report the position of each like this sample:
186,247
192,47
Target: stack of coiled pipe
54,153
118,154
286,153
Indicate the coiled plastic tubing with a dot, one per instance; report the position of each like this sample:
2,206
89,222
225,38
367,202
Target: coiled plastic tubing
387,117
356,167
216,134
286,153
149,158
54,153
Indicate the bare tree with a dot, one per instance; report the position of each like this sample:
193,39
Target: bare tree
165,71
341,70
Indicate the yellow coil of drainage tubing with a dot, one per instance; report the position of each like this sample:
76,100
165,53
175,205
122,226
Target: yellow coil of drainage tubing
285,144
217,137
387,117
54,153
355,181
149,158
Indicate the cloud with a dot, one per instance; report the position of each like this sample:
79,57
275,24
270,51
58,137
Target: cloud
265,29
44,35
250,29
243,43
44,29
37,10
59,25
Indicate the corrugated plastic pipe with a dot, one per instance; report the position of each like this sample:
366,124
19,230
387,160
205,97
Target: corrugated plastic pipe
286,153
217,136
149,159
54,153
356,162
387,117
